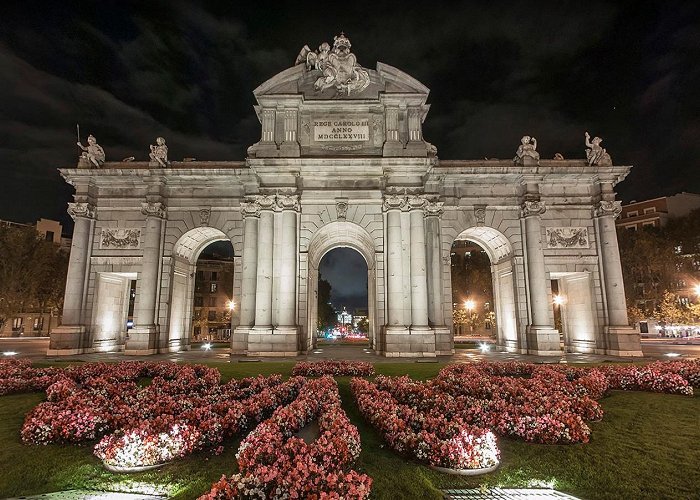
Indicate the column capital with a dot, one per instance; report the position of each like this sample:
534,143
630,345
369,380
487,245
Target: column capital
153,209
434,209
84,210
394,201
416,202
250,209
613,208
288,202
264,201
531,208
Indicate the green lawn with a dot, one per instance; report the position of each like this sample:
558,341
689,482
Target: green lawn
645,447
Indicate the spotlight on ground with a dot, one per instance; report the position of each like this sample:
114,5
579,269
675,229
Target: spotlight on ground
10,353
672,354
207,346
484,347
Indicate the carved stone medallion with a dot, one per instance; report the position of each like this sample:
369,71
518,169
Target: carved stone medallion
567,237
121,239
480,214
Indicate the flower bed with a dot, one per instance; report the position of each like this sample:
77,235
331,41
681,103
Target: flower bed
445,421
274,464
17,375
183,409
334,368
429,436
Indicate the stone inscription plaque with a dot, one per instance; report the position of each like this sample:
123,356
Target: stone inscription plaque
339,130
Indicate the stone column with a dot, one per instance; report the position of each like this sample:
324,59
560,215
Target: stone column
620,338
542,338
251,216
434,259
83,214
286,313
71,337
263,287
394,294
419,284
143,338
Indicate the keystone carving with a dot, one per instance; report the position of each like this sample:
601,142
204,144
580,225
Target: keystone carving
85,210
341,206
204,215
480,214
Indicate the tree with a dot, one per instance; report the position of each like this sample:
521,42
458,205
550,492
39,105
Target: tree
672,312
326,314
32,272
363,326
648,265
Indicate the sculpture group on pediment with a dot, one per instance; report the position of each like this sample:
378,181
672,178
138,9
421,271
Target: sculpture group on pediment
596,154
93,154
337,65
527,149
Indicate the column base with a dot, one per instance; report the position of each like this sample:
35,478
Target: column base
414,342
444,342
581,346
239,340
278,342
143,341
623,341
68,341
543,341
177,345
107,345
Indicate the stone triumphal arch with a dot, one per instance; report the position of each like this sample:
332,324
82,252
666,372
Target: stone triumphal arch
342,162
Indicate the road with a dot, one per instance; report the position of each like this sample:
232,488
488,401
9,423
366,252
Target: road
35,348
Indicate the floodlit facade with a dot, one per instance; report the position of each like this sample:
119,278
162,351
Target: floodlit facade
342,162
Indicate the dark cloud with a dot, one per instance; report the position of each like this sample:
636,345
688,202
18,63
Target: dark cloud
130,71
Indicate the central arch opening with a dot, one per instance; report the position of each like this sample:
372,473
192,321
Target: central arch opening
201,293
343,313
482,284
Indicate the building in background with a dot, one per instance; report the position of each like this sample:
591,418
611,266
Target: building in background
213,305
657,211
34,322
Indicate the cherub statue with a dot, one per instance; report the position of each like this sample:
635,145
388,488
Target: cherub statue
93,153
159,153
528,147
596,154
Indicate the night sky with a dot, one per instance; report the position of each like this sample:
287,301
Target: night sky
129,71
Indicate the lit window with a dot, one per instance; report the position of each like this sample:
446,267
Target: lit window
212,287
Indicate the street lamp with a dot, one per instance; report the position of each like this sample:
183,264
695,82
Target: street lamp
469,305
231,305
559,300
697,289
